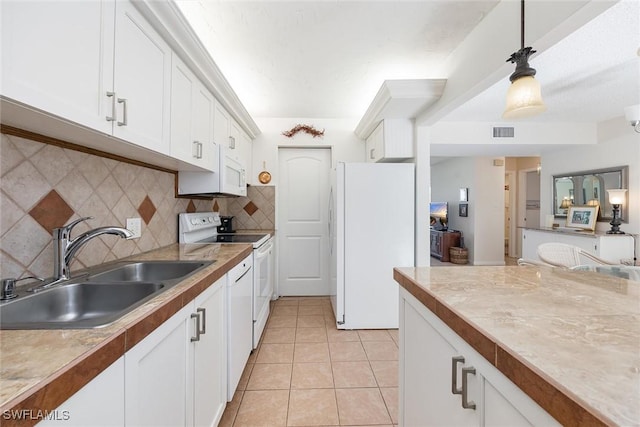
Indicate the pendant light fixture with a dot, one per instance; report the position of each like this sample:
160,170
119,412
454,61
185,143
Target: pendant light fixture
524,98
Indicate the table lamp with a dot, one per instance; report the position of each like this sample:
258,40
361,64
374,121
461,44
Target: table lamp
616,198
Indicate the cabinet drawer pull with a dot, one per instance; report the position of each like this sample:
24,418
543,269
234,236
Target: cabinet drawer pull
112,95
371,153
232,142
467,404
197,150
123,101
197,317
204,320
454,374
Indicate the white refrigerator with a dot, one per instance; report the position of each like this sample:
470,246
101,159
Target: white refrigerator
371,226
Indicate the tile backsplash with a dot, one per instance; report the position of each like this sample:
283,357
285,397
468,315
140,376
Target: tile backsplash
43,186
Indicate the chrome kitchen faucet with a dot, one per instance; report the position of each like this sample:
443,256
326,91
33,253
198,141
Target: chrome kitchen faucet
65,248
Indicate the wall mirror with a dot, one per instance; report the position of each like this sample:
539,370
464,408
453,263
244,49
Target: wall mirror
590,188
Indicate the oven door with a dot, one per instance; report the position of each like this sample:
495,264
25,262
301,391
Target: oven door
262,288
233,176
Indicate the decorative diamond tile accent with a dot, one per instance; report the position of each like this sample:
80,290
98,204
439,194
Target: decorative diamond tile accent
35,198
250,208
51,212
147,209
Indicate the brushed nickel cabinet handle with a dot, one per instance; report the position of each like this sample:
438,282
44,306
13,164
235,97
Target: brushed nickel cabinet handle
123,101
466,403
371,153
232,142
204,320
197,151
197,317
454,374
112,95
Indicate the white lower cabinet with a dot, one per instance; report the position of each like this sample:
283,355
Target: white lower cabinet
99,403
610,247
210,357
177,374
445,382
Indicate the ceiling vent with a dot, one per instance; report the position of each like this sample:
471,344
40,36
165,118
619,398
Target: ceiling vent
503,132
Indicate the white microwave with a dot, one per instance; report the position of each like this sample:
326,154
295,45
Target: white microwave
228,178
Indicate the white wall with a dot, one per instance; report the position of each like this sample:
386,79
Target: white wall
338,134
618,145
483,229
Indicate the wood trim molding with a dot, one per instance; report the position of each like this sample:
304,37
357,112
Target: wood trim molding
10,130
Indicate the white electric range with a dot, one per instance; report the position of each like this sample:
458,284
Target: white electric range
247,305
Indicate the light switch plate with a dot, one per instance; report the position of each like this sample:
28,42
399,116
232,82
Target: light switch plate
134,225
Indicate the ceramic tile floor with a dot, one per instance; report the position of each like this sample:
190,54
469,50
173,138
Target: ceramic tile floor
306,372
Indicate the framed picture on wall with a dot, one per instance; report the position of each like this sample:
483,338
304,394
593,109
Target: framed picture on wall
583,217
463,209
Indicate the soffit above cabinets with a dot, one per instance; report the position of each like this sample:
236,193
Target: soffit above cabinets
399,99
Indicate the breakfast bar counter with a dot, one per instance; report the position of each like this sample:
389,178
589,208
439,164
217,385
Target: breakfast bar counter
570,340
40,369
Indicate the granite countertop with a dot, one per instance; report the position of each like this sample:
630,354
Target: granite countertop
570,340
40,369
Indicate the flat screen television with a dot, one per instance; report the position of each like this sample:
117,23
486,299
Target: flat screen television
439,215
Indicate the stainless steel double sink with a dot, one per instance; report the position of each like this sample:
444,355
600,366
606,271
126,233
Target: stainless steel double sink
96,299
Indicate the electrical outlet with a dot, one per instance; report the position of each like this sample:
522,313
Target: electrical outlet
134,225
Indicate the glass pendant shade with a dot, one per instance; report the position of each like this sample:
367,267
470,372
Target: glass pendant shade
616,196
524,99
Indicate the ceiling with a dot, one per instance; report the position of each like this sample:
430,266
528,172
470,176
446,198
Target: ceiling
327,59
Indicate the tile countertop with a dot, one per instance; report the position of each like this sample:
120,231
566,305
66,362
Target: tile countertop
570,340
40,369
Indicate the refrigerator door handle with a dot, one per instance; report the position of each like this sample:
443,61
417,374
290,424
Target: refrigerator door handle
330,222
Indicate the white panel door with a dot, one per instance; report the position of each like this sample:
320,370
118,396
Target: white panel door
303,221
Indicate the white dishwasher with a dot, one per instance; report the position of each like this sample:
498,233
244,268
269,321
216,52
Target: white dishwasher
239,321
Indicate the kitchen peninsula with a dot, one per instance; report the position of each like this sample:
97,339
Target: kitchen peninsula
537,345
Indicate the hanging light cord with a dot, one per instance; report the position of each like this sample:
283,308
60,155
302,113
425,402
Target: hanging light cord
521,57
521,24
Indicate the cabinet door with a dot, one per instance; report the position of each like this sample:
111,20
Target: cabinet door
182,141
374,144
210,360
221,125
156,383
191,118
235,144
142,81
99,403
58,56
203,112
427,377
246,155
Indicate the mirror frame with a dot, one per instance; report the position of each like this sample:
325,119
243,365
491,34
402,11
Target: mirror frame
604,214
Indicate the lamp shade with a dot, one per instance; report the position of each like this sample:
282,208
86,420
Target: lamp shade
524,99
566,203
616,196
632,113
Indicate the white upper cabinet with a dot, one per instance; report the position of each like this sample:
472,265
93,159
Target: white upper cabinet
142,81
58,57
222,126
390,141
97,63
192,112
229,134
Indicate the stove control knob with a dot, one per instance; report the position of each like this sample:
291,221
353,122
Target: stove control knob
194,221
210,219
